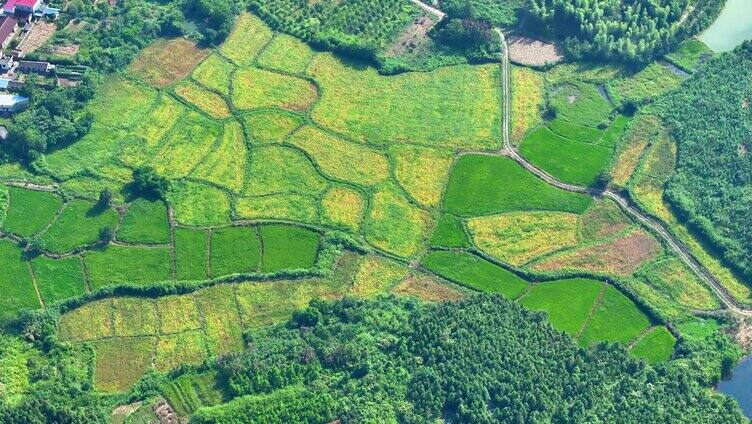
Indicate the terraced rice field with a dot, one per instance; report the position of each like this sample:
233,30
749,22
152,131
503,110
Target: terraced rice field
282,159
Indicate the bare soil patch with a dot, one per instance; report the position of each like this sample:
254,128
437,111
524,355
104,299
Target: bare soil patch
743,150
531,52
38,35
414,36
167,61
619,257
68,50
426,288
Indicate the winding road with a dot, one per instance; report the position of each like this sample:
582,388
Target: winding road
657,227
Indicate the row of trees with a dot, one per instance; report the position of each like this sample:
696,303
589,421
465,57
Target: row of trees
483,360
711,118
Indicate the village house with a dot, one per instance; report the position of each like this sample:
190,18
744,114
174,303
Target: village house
10,103
8,28
34,66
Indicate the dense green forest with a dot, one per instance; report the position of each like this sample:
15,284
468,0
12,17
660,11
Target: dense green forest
711,119
482,360
635,32
496,12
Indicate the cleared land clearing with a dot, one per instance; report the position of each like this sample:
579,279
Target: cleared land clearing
205,100
394,224
167,61
531,52
342,207
621,256
340,159
246,40
474,272
567,302
77,225
421,171
29,212
519,237
145,221
527,101
655,346
255,88
457,106
603,220
568,160
286,54
485,185
427,289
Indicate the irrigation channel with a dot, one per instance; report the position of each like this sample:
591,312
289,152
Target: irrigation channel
657,227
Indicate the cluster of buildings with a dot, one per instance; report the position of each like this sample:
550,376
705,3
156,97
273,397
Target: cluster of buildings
18,15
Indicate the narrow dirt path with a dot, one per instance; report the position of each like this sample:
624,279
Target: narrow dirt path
628,207
432,10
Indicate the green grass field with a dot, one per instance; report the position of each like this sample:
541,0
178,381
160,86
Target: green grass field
615,319
145,222
652,81
567,302
15,281
456,106
58,279
30,211
394,224
690,54
656,346
271,126
580,103
568,160
119,265
449,232
191,247
288,247
234,250
475,273
575,132
255,88
77,225
483,185
286,54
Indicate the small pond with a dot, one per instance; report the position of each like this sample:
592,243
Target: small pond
739,386
732,26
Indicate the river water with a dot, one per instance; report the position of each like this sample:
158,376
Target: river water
732,26
739,385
